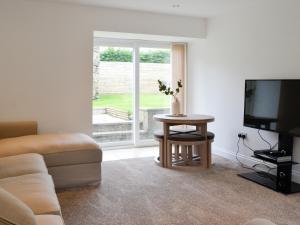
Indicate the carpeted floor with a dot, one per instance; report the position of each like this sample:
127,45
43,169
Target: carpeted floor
136,191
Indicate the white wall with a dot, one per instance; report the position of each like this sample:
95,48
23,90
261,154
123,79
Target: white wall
46,57
260,42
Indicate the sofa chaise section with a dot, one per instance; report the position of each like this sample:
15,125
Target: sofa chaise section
72,159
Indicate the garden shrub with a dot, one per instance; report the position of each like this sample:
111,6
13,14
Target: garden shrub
119,55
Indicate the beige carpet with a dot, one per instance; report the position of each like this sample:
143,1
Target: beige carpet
136,191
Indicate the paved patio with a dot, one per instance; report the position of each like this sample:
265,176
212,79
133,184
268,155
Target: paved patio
106,119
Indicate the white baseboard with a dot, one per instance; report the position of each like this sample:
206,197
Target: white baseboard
248,160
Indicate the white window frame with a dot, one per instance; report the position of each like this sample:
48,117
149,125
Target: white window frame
135,45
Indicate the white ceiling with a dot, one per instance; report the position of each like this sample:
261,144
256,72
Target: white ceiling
195,8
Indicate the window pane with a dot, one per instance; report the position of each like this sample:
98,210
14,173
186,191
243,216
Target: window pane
154,66
112,94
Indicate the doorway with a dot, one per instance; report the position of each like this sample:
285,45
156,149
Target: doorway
125,90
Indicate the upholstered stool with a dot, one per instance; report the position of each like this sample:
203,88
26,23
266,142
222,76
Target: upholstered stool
184,153
210,135
210,138
159,136
186,141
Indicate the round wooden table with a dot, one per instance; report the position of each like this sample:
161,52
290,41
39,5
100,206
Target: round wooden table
200,121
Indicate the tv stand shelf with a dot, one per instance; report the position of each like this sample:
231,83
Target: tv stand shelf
282,182
272,156
272,160
269,181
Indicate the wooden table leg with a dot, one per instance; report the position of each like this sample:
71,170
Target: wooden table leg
207,150
204,153
166,133
184,153
161,152
176,152
208,154
197,147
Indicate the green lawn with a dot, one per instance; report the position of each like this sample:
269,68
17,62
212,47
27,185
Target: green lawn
125,101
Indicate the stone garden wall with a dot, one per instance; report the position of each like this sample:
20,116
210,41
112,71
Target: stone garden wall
116,77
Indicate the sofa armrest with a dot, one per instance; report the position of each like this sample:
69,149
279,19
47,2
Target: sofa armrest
17,129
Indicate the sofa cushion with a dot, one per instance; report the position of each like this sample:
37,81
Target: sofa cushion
12,166
13,211
35,190
49,220
53,144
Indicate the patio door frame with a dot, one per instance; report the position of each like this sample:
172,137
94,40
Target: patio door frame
136,45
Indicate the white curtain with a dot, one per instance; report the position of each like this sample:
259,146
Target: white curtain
179,71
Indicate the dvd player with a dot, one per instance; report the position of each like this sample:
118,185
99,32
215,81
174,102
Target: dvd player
273,156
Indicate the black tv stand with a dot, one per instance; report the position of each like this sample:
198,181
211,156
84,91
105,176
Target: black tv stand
282,182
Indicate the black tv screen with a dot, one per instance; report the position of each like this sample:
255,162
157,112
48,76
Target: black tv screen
273,105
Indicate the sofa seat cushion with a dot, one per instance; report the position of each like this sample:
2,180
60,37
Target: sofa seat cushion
18,165
53,147
35,190
49,220
13,211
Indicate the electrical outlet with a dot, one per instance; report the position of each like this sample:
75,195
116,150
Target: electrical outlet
242,135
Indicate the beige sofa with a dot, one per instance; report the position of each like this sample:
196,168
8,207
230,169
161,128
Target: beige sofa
32,166
72,159
27,193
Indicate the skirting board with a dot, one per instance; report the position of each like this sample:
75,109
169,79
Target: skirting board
248,160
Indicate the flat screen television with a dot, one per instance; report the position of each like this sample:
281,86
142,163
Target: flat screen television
273,105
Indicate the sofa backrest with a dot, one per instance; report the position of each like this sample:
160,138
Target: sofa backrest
17,129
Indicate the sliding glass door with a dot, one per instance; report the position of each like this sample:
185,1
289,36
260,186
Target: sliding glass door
154,65
113,95
125,90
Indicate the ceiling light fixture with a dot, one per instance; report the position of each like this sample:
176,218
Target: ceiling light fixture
176,5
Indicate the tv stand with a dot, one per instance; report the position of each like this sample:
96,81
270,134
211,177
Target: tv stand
282,182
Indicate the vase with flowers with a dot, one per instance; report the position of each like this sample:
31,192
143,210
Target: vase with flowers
167,90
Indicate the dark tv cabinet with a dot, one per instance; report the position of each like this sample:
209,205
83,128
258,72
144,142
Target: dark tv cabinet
282,182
